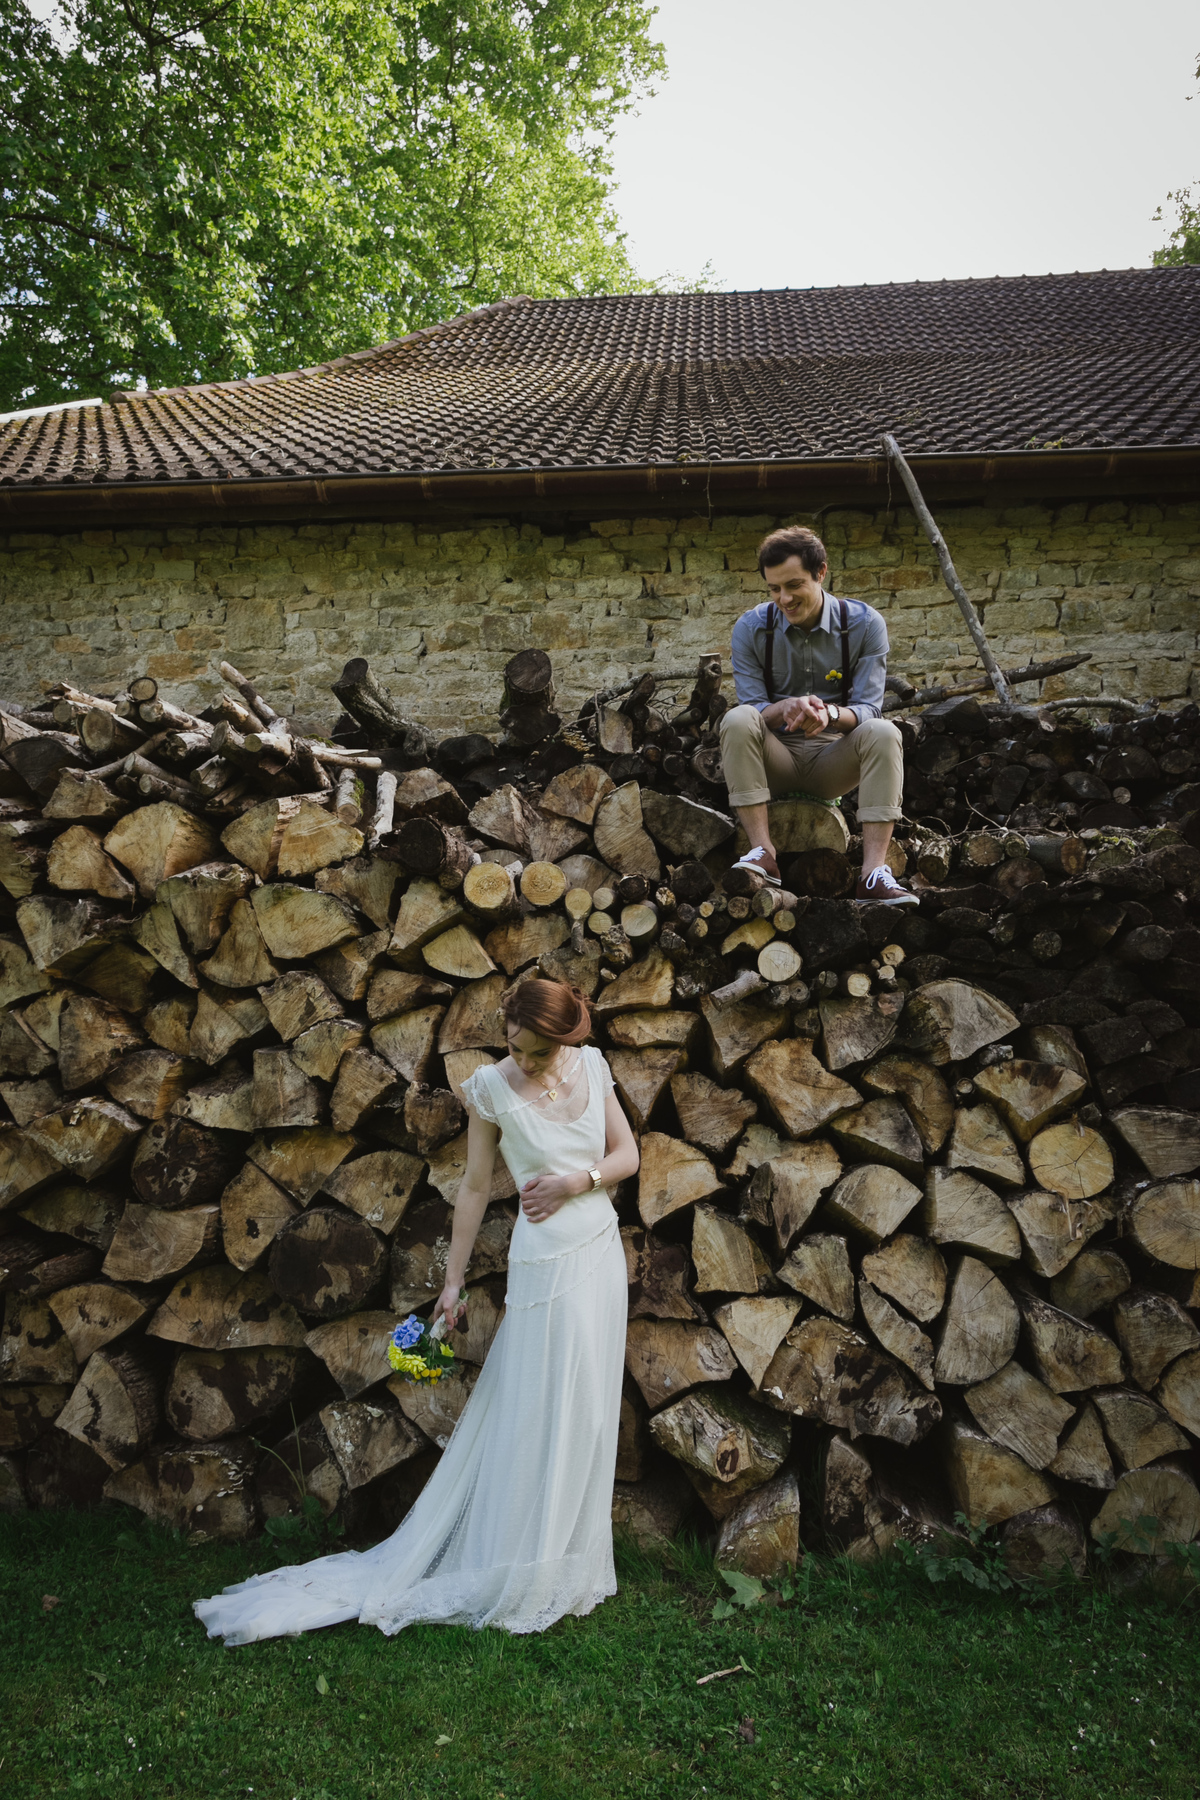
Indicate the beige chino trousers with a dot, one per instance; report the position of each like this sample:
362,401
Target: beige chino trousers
760,766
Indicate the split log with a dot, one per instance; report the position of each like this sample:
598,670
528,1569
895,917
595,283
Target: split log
212,1393
1072,1160
726,1258
523,941
990,1483
1164,1222
911,1271
33,1345
71,1210
1055,1230
472,1021
1070,1355
1166,1142
666,1357
485,1311
222,1020
178,1164
253,1211
241,959
1030,1095
754,1329
710,1116
982,1143
1179,1391
1082,1452
960,1210
364,1080
93,1038
28,1410
1091,1281
736,1031
1020,1413
856,1029
348,967
1152,1330
950,1020
368,883
204,1490
981,1327
149,1244
1138,1430
158,934
825,1371
325,1263
490,891
458,954
408,1041
656,1027
282,1094
155,842
86,1139
1165,1493
620,837
897,1335
576,793
296,1001
377,1186
226,1103
369,1437
219,1308
761,1536
297,923
115,1408
801,1093
726,1444
448,1165
872,1200
819,1268
432,1116
640,1077
787,1186
882,1132
313,839
658,1278
77,863
319,1050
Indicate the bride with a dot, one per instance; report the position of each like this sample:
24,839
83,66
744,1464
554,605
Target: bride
514,1527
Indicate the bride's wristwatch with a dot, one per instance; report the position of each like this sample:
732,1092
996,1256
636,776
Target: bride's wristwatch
596,1181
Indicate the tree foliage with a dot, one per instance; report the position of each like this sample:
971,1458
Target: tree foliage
202,189
1183,245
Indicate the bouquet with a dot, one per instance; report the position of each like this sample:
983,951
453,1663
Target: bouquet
418,1351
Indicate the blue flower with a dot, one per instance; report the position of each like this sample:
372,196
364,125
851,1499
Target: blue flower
408,1332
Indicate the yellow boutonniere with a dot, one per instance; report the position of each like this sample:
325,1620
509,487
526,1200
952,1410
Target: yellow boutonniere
834,675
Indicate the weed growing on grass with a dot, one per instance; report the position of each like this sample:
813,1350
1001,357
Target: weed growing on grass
871,1683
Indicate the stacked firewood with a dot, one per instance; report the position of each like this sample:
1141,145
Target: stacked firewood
917,1223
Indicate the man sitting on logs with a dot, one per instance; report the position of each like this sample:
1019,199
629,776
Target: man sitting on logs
809,670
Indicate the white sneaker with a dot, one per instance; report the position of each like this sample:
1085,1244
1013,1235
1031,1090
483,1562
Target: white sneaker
762,862
882,887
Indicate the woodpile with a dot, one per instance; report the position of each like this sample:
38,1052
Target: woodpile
917,1224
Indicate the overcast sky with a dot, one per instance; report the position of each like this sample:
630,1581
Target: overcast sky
797,144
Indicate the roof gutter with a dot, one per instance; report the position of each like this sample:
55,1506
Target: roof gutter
692,486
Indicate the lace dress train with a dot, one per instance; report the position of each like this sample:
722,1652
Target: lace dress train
513,1528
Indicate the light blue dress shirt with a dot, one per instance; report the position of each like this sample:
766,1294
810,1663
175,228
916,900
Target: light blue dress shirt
810,662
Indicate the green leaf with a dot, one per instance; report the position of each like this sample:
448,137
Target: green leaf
747,1589
322,1685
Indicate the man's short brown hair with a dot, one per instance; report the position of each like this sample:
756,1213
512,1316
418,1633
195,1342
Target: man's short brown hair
792,540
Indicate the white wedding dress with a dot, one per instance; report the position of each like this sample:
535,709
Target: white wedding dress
513,1528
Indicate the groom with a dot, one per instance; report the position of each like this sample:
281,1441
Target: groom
809,670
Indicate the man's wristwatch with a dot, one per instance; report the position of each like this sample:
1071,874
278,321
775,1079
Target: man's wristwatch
596,1181
834,711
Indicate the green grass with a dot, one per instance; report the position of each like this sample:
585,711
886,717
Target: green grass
879,1685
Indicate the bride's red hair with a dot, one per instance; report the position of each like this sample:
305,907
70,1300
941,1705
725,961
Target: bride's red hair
554,1009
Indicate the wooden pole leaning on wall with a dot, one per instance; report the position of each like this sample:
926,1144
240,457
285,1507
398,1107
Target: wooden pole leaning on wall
949,572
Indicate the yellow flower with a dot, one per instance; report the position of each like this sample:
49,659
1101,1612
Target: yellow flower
834,675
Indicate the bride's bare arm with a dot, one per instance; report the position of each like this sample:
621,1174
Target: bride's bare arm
541,1198
469,1208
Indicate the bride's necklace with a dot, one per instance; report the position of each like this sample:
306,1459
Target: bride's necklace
552,1092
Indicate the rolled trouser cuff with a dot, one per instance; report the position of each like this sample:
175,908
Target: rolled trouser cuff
759,796
879,815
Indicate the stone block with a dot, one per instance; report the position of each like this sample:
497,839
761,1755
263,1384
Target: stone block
255,624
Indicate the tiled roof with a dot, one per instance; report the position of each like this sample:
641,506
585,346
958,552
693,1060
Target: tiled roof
1109,360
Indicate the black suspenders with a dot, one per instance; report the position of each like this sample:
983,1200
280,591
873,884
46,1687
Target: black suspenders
769,650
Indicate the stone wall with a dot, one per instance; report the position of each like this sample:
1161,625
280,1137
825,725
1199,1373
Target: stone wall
438,608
